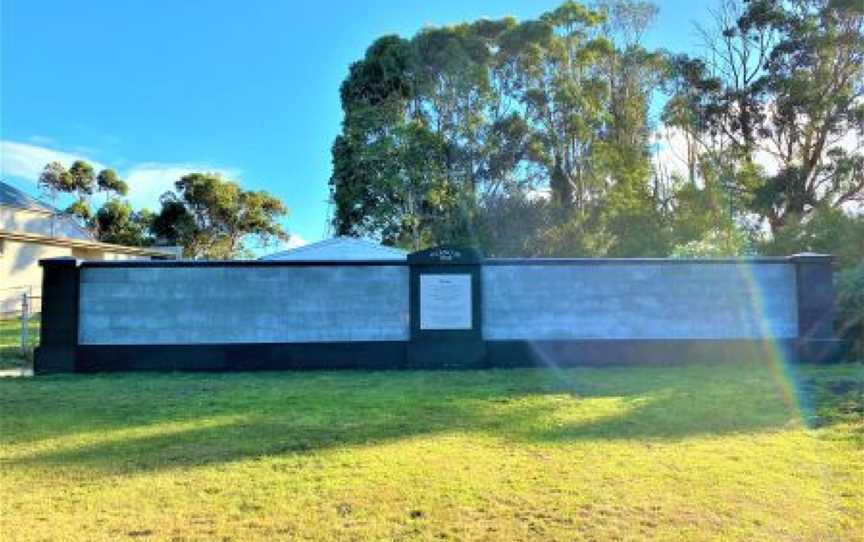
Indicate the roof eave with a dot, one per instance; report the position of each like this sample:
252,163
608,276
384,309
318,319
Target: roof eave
80,243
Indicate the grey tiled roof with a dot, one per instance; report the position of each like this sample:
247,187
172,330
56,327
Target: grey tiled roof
55,224
340,248
11,196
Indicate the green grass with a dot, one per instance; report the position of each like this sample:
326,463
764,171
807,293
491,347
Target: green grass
725,452
10,341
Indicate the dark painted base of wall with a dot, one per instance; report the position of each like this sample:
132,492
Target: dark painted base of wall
53,359
242,357
449,354
398,355
600,352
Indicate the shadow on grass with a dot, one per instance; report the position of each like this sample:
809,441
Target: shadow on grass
136,422
833,395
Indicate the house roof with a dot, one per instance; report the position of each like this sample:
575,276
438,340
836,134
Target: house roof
340,249
12,197
155,252
53,223
53,227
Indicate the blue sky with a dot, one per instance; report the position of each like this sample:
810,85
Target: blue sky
155,89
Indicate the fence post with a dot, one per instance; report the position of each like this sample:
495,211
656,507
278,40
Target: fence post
25,325
59,334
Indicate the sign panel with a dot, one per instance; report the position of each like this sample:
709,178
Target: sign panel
445,301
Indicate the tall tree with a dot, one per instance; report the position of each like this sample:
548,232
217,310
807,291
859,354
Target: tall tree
53,180
816,79
108,182
81,175
375,99
116,222
782,90
213,217
557,81
392,175
78,180
635,205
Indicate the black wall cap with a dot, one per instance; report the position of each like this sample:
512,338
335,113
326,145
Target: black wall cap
782,260
240,263
811,257
64,261
446,255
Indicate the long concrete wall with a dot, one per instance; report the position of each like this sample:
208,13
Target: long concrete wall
296,304
109,316
639,300
240,304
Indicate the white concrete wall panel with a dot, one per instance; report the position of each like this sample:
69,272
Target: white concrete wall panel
238,304
639,300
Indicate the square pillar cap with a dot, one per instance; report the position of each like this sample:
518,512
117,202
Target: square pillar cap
64,261
811,257
446,255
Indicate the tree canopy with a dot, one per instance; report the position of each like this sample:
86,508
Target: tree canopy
210,217
539,137
215,218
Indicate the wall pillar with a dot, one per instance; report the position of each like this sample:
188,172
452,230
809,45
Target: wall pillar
59,332
445,305
814,277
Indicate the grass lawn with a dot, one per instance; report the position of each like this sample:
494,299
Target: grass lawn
10,341
726,452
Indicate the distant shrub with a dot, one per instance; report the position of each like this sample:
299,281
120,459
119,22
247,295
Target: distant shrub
850,307
714,244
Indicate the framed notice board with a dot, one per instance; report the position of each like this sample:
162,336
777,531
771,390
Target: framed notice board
446,307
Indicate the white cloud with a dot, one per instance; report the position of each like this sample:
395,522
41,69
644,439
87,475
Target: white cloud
26,161
147,180
295,241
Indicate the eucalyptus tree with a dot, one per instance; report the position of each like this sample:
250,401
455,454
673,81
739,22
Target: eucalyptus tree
442,129
116,222
555,63
418,148
815,109
374,188
212,217
54,180
636,206
777,103
108,182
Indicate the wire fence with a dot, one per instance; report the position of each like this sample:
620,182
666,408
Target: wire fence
20,310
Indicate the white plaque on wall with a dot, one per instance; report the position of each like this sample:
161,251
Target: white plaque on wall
445,301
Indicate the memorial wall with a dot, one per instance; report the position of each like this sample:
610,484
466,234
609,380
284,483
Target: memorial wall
442,308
